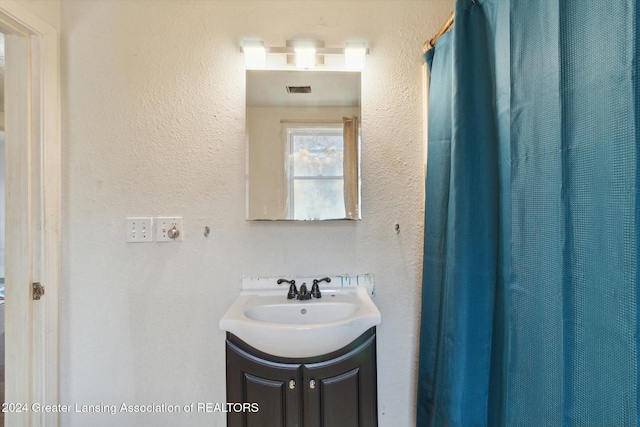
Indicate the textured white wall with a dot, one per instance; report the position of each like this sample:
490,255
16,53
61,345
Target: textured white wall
153,125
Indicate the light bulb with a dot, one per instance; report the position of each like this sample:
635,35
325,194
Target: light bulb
354,57
305,57
255,55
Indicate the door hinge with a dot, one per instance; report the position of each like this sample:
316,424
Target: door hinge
38,290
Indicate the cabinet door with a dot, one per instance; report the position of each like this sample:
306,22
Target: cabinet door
342,392
273,386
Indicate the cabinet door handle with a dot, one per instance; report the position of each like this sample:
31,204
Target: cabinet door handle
292,384
312,384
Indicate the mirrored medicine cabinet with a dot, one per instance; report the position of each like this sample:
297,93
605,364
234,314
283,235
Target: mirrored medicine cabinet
303,145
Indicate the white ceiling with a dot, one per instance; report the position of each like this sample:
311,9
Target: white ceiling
267,88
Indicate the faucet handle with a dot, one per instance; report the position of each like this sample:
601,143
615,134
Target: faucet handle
315,290
293,291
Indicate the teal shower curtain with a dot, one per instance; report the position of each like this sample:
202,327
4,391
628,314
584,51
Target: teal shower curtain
530,280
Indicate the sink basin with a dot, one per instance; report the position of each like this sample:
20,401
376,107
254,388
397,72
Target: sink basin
267,321
302,313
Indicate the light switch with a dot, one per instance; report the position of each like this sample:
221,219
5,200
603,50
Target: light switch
139,230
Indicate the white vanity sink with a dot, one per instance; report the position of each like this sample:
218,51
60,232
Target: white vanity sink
267,321
302,313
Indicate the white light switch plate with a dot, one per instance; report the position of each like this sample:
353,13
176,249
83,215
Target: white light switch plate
139,230
164,224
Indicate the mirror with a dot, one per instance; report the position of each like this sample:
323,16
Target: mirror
303,145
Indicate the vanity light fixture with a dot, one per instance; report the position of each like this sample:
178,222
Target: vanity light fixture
308,53
354,54
255,54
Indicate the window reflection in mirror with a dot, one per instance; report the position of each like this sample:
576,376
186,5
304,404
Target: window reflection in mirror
303,148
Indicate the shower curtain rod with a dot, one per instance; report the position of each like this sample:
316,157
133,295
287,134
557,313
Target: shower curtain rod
310,121
431,43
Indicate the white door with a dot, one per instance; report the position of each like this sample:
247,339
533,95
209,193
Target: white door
32,246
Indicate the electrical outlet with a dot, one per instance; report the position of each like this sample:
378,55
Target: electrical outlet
139,230
169,229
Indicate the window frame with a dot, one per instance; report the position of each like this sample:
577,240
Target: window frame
330,128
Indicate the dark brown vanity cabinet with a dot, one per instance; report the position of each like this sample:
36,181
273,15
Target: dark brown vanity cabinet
335,390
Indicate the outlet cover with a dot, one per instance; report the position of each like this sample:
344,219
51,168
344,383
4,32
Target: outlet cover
164,225
139,230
